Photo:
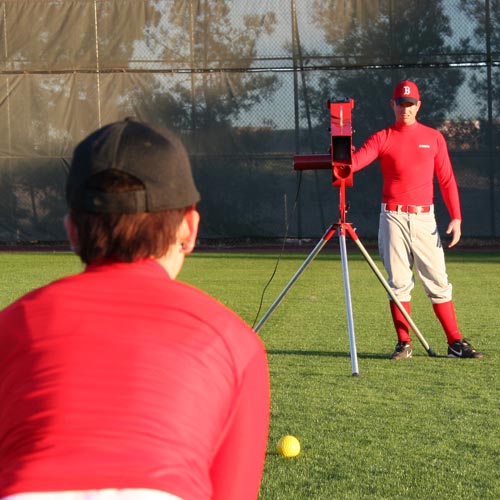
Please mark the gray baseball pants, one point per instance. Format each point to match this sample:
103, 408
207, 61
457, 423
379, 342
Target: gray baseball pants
409, 242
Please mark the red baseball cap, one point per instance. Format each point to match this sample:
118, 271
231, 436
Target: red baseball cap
406, 91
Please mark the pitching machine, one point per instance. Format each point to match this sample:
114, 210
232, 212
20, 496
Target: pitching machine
339, 161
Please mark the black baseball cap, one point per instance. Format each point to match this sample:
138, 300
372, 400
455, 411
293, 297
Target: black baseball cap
152, 154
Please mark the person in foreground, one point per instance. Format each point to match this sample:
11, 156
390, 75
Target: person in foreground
411, 155
121, 382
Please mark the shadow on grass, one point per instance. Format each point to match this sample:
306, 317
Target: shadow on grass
328, 354
338, 354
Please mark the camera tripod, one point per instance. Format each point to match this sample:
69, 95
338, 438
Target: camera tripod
344, 228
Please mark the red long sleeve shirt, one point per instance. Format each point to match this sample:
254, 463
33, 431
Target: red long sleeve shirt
120, 377
410, 156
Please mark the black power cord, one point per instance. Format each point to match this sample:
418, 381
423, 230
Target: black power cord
281, 251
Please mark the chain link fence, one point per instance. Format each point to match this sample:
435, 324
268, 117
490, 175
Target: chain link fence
245, 84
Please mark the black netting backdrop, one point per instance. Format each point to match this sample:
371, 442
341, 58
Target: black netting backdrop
245, 83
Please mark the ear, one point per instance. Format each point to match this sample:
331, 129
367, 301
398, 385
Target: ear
72, 233
188, 230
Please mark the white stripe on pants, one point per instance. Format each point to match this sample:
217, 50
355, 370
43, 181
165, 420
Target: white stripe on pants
107, 494
411, 241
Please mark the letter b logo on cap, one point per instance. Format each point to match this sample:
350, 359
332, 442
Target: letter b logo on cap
406, 91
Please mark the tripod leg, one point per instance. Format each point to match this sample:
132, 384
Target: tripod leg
348, 303
325, 238
384, 283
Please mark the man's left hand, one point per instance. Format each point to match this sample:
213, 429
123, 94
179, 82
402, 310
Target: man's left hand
454, 228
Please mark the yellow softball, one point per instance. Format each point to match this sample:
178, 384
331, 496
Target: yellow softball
288, 446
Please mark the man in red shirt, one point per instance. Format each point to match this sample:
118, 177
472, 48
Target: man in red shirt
411, 155
121, 382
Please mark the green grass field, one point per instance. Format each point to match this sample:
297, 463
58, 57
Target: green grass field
426, 428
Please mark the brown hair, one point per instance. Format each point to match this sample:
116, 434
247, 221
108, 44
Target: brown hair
123, 237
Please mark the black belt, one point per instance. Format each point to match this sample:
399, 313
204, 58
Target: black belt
408, 209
